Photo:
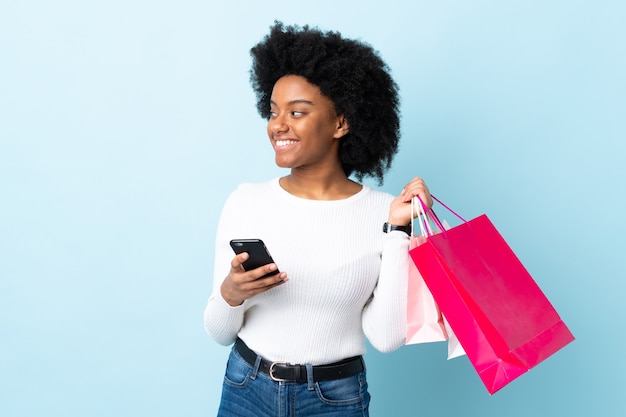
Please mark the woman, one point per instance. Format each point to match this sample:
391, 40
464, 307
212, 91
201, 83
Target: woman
341, 246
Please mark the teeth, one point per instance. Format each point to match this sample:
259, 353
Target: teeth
285, 142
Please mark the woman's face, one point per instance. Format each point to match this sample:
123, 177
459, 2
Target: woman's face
303, 127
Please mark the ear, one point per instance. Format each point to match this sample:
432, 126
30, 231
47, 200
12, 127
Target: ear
342, 128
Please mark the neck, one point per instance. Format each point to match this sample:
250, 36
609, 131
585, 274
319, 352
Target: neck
333, 187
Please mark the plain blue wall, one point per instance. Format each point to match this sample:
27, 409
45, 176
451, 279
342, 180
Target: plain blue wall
125, 124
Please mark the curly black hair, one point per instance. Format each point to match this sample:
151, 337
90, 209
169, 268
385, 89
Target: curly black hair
352, 74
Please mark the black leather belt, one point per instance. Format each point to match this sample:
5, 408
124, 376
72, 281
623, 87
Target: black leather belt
280, 371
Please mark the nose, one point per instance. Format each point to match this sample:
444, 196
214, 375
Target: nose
277, 124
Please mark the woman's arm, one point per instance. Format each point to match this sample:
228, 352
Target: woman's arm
384, 317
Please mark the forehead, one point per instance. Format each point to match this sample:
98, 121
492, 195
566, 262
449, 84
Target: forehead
295, 87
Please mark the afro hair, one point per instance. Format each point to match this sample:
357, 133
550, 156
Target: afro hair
352, 74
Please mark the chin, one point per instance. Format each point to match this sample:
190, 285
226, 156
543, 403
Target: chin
283, 164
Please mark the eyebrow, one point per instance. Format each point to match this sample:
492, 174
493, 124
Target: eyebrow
298, 101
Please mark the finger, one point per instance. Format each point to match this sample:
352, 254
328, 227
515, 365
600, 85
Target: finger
266, 283
262, 271
261, 285
414, 184
424, 195
425, 198
419, 187
236, 263
258, 277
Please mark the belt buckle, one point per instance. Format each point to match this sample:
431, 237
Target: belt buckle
271, 372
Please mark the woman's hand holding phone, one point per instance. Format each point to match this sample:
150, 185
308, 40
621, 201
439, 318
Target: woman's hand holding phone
242, 284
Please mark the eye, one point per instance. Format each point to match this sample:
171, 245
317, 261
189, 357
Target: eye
272, 114
297, 113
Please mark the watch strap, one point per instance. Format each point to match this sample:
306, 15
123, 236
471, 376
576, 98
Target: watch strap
388, 227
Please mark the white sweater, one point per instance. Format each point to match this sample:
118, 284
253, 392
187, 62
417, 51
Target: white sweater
347, 278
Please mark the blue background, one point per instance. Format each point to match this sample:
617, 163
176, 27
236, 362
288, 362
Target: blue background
125, 124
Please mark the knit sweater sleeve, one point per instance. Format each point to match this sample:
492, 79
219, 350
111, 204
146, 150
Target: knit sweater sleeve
384, 316
221, 320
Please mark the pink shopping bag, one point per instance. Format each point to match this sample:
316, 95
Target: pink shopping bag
502, 319
424, 322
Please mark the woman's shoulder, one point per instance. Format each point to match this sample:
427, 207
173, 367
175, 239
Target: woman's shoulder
255, 187
251, 191
378, 195
262, 186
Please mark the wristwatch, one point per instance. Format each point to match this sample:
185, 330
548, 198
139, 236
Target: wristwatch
391, 227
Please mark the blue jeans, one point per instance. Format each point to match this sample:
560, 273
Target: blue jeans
249, 393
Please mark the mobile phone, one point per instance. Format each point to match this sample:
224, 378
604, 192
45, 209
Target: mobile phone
258, 254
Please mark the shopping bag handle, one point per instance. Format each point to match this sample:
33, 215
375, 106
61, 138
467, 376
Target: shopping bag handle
448, 208
424, 215
420, 215
428, 211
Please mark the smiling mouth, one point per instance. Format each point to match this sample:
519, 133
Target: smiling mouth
283, 143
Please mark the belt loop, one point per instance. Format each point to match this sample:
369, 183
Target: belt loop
255, 369
309, 377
